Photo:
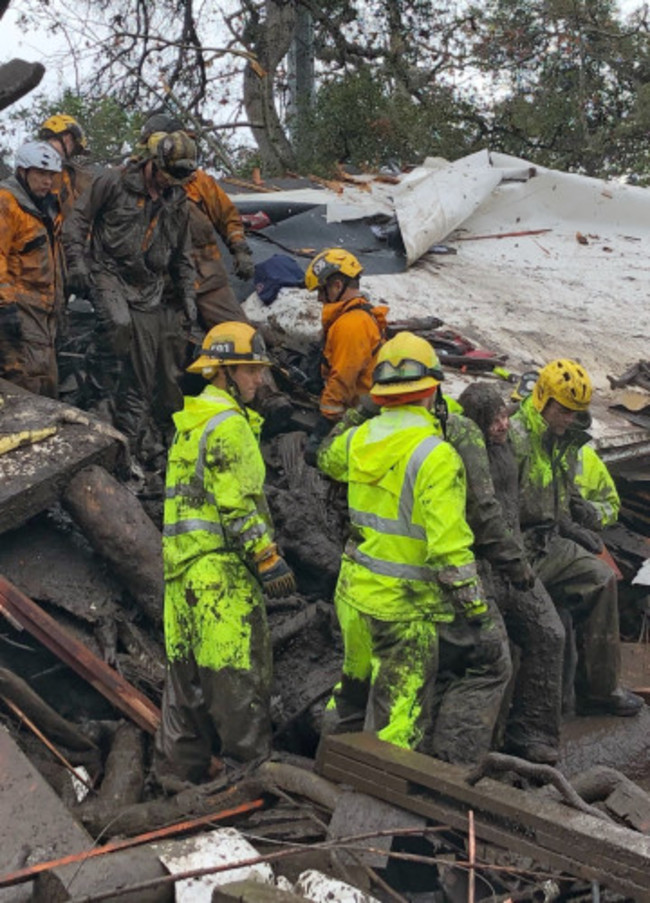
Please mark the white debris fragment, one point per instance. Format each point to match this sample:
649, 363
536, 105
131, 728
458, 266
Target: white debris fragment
321, 889
80, 788
219, 847
642, 576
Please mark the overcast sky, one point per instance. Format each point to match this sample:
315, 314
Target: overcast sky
51, 50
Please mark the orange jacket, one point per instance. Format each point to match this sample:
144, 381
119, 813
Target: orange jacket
29, 271
69, 184
354, 332
212, 213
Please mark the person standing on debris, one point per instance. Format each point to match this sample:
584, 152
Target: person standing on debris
419, 641
563, 552
354, 331
66, 136
219, 558
124, 237
212, 215
532, 622
30, 273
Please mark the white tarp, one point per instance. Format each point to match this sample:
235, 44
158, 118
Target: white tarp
578, 289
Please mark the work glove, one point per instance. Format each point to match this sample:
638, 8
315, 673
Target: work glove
190, 312
362, 412
275, 575
242, 261
586, 538
584, 513
467, 600
322, 428
78, 280
521, 575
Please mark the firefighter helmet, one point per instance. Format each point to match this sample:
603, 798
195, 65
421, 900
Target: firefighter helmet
565, 381
62, 124
331, 262
38, 155
406, 363
229, 344
174, 153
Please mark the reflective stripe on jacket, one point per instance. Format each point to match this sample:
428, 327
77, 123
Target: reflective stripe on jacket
596, 485
406, 495
214, 497
546, 464
29, 270
353, 336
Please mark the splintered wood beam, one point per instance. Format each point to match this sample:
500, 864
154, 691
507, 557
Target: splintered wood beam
554, 835
20, 610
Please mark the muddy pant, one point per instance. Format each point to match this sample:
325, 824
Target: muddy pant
27, 348
216, 301
535, 627
586, 586
217, 692
429, 686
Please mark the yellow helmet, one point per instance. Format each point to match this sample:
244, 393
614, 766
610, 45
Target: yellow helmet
566, 382
61, 124
174, 153
406, 363
330, 262
229, 344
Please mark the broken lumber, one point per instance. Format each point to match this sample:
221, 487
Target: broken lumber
550, 833
116, 525
26, 874
23, 611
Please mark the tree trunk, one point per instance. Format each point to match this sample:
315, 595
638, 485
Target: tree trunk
270, 40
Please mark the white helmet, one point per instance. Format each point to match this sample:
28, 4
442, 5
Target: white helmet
38, 155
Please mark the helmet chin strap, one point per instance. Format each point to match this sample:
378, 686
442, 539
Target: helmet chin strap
234, 390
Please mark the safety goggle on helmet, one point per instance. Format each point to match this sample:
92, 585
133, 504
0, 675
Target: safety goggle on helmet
406, 363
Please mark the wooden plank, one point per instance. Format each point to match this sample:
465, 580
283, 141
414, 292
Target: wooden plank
21, 610
32, 478
607, 850
443, 814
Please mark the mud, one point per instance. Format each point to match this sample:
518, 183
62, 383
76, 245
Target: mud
620, 743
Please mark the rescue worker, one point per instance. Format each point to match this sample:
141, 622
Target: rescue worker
532, 622
67, 137
597, 490
212, 214
219, 558
561, 551
30, 274
124, 237
354, 331
418, 638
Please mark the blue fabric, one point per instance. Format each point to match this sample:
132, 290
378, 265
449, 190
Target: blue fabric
270, 275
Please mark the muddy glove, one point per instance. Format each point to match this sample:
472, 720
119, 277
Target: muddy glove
275, 574
465, 594
242, 261
584, 513
78, 280
190, 313
586, 538
322, 428
521, 575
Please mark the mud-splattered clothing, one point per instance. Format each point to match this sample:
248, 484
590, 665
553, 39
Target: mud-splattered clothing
531, 620
354, 332
212, 213
216, 637
596, 485
409, 549
130, 244
575, 578
70, 184
30, 289
494, 538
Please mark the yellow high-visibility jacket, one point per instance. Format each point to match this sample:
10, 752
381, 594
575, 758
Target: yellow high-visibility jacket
409, 543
